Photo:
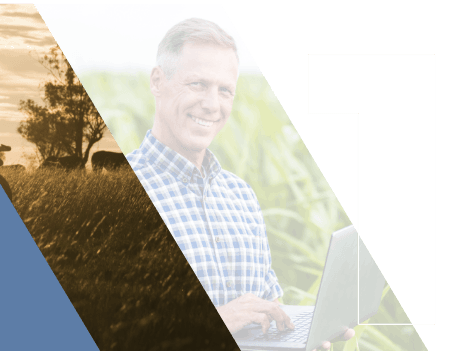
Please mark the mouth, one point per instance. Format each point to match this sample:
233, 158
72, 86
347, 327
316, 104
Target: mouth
201, 121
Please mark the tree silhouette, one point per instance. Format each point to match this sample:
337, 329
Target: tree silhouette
68, 121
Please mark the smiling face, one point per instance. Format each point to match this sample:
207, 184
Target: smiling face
194, 105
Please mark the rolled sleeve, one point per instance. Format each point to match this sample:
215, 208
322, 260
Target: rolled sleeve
272, 289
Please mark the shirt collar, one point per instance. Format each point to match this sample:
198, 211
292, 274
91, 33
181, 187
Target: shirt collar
167, 160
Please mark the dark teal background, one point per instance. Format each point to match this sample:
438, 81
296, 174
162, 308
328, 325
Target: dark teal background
34, 312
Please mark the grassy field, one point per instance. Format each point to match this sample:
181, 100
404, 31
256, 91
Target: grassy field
117, 262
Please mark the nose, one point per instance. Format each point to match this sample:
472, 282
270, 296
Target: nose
210, 101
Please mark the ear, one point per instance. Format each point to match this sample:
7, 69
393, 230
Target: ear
156, 81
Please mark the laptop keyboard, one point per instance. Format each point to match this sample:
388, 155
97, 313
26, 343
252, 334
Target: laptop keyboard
300, 334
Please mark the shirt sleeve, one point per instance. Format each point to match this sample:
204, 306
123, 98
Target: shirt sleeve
272, 289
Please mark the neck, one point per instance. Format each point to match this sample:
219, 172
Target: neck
196, 157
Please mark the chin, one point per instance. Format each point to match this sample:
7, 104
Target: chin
199, 144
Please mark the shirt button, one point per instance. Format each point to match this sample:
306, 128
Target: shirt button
217, 239
184, 180
229, 284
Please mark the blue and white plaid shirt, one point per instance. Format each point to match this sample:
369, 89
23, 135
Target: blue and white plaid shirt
215, 220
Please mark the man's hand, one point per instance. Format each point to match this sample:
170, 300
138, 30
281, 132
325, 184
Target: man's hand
350, 333
249, 309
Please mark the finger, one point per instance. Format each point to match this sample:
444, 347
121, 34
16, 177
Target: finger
272, 310
262, 319
280, 325
350, 333
326, 345
282, 319
289, 324
286, 319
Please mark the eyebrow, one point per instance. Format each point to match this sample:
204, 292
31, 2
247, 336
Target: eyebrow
195, 77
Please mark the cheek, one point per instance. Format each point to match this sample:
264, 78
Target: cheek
226, 107
177, 98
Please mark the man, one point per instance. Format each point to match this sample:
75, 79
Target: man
213, 215
3, 182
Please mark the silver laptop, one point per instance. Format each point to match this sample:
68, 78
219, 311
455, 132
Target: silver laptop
336, 308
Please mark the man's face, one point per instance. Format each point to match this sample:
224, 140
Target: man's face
194, 105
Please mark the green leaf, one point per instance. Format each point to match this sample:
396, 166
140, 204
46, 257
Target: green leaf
350, 345
283, 212
296, 243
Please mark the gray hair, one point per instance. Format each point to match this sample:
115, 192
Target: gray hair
192, 30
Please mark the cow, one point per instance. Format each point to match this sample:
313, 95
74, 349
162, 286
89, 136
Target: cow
70, 162
50, 163
111, 161
4, 148
67, 163
6, 187
3, 182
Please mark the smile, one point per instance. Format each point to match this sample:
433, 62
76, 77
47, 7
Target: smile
202, 122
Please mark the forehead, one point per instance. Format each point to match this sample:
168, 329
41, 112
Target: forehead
208, 61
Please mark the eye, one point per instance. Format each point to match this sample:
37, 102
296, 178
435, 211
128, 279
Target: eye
197, 85
226, 91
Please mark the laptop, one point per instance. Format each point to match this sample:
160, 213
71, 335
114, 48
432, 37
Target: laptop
336, 308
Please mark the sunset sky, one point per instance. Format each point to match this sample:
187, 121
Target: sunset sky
24, 35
